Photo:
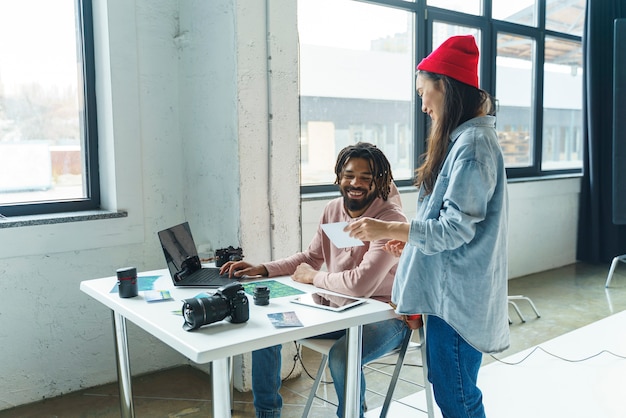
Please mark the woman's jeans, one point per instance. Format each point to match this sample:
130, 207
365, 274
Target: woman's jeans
453, 370
378, 339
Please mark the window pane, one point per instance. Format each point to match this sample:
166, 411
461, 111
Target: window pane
41, 141
566, 16
356, 84
473, 7
562, 105
522, 12
514, 93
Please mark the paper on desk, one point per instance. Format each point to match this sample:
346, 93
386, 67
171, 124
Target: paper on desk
143, 283
339, 237
284, 319
157, 295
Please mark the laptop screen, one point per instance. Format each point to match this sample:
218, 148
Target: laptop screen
178, 245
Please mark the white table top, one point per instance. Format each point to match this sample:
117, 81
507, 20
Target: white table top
223, 339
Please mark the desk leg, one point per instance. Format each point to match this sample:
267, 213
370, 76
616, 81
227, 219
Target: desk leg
123, 366
353, 373
220, 386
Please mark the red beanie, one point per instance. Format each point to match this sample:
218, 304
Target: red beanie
456, 58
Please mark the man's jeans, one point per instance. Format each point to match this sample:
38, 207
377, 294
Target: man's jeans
378, 339
453, 370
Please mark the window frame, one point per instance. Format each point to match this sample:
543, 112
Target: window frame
490, 28
89, 127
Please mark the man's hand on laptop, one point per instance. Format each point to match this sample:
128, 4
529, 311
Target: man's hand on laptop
242, 269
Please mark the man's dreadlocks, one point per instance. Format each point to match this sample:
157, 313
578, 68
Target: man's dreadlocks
379, 165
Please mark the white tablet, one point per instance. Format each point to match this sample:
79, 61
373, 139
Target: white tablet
328, 301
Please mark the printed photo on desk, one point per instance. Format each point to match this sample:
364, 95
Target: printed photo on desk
284, 319
157, 296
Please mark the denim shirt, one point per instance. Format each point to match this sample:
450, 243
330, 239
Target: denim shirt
454, 264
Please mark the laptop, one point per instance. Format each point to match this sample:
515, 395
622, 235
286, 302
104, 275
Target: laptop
183, 262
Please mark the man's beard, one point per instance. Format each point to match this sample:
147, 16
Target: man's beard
355, 205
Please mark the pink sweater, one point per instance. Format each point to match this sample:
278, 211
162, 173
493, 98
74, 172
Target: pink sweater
362, 271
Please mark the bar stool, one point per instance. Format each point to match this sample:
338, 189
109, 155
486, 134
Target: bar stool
323, 346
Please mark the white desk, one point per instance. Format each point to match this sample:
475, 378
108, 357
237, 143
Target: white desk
219, 341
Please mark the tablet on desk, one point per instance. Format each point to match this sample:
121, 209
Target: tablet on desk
328, 301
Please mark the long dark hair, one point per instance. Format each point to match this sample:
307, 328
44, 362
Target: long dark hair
379, 165
461, 102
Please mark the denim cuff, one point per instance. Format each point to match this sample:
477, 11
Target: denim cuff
268, 414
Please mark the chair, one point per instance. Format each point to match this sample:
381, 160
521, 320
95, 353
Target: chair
512, 300
621, 258
323, 346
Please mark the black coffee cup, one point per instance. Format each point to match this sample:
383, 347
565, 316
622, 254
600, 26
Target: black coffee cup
127, 282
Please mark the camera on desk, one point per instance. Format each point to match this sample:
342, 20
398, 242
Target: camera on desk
228, 301
189, 265
224, 255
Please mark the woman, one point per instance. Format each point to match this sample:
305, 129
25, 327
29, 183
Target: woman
453, 265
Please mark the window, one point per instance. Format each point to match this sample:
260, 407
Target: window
464, 6
522, 12
356, 84
514, 90
566, 17
357, 63
562, 105
48, 143
538, 81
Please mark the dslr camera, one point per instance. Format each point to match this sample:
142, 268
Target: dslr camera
224, 255
229, 301
189, 265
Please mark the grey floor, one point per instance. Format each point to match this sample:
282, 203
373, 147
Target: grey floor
567, 298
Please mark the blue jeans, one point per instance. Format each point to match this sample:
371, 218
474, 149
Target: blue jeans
453, 371
378, 339
266, 364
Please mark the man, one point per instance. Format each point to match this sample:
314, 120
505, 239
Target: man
365, 181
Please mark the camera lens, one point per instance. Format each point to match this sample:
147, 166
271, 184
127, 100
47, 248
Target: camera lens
261, 295
190, 318
202, 311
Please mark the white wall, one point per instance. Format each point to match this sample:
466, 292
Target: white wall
184, 134
543, 225
543, 218
184, 92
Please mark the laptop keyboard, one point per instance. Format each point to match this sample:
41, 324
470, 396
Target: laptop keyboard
205, 275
